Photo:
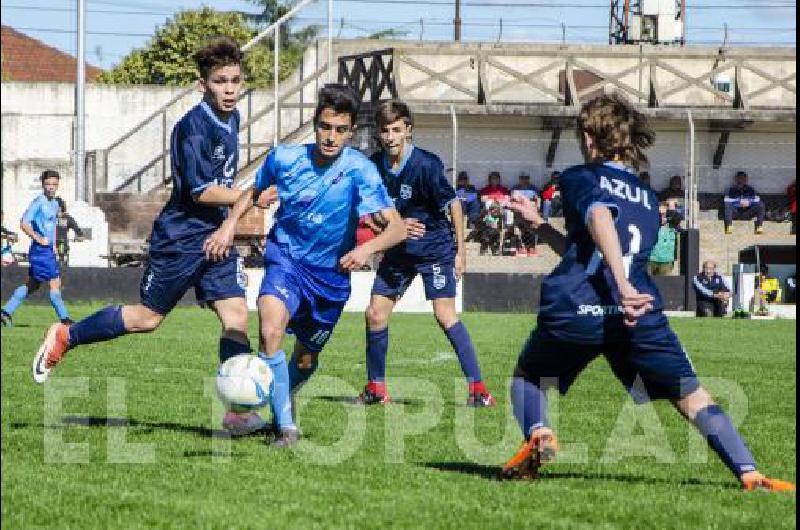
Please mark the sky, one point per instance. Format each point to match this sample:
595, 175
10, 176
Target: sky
116, 27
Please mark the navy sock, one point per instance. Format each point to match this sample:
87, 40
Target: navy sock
530, 405
106, 324
16, 299
462, 344
298, 376
377, 346
724, 439
58, 304
281, 396
231, 348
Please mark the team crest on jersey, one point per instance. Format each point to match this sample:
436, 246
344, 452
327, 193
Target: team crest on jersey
337, 178
219, 152
405, 191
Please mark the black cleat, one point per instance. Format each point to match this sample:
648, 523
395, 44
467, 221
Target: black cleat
67, 321
286, 438
6, 319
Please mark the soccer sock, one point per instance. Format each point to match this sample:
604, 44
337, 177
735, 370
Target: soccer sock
298, 376
530, 405
377, 346
724, 439
58, 305
106, 324
16, 299
462, 344
231, 348
281, 397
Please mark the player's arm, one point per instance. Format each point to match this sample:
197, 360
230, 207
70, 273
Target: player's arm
27, 218
393, 234
215, 195
457, 218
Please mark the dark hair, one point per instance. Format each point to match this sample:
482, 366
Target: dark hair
218, 52
391, 111
341, 98
617, 129
49, 174
741, 173
61, 204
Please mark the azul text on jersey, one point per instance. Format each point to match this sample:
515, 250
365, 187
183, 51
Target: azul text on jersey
622, 190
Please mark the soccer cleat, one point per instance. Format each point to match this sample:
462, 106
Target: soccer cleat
287, 437
728, 230
51, 352
479, 396
67, 321
374, 394
756, 481
540, 449
242, 424
6, 319
759, 230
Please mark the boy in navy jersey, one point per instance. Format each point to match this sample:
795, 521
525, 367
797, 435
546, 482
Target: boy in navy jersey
204, 154
324, 189
423, 196
600, 300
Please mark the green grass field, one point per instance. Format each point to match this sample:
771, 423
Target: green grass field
177, 471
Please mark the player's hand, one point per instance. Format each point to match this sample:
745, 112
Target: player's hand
634, 304
218, 245
414, 228
354, 260
43, 241
461, 265
744, 204
526, 208
267, 197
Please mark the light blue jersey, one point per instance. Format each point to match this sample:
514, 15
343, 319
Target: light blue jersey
41, 215
320, 206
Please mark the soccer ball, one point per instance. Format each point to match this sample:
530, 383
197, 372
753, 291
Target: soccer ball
244, 383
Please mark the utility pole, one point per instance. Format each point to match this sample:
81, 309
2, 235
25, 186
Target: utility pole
457, 22
80, 110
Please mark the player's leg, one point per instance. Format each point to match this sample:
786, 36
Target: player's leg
19, 295
57, 302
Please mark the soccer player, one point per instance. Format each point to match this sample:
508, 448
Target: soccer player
204, 155
39, 223
324, 188
423, 196
600, 300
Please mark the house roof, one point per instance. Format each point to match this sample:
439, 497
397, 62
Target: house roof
29, 59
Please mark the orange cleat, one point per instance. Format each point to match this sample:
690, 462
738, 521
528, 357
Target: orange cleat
51, 352
756, 481
540, 449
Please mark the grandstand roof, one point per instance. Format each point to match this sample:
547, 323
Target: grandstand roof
27, 59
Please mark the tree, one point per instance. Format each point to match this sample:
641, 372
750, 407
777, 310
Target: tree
167, 57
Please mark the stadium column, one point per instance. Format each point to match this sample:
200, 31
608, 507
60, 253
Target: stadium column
690, 265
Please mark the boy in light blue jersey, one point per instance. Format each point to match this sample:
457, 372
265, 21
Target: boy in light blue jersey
323, 188
39, 223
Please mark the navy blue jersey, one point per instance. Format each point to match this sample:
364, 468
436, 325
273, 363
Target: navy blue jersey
580, 302
204, 152
421, 190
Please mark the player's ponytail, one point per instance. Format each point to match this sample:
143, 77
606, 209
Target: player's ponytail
618, 131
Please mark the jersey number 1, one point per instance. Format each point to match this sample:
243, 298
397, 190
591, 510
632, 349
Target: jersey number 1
634, 248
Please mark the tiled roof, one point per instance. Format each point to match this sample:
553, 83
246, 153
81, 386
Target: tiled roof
28, 59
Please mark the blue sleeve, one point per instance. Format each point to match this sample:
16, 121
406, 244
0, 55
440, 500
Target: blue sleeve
33, 210
439, 189
194, 160
372, 194
581, 192
700, 289
268, 172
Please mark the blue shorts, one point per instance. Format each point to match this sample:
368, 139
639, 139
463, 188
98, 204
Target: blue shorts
43, 263
395, 275
315, 298
653, 368
169, 275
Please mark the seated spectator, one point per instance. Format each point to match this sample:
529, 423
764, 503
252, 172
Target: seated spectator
790, 193
791, 289
494, 191
742, 202
551, 197
487, 232
7, 238
468, 195
662, 257
644, 176
768, 290
674, 197
527, 240
713, 292
64, 223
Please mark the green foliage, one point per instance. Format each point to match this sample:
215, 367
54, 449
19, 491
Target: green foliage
167, 57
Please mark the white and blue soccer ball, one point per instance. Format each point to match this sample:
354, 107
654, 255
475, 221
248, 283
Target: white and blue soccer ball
244, 383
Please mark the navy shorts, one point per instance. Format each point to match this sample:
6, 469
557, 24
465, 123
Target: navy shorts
43, 264
655, 368
168, 276
315, 298
395, 275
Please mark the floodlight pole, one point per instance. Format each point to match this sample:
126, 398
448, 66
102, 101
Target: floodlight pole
80, 109
457, 22
330, 40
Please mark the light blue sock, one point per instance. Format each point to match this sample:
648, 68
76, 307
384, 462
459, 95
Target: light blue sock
16, 299
281, 400
58, 305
